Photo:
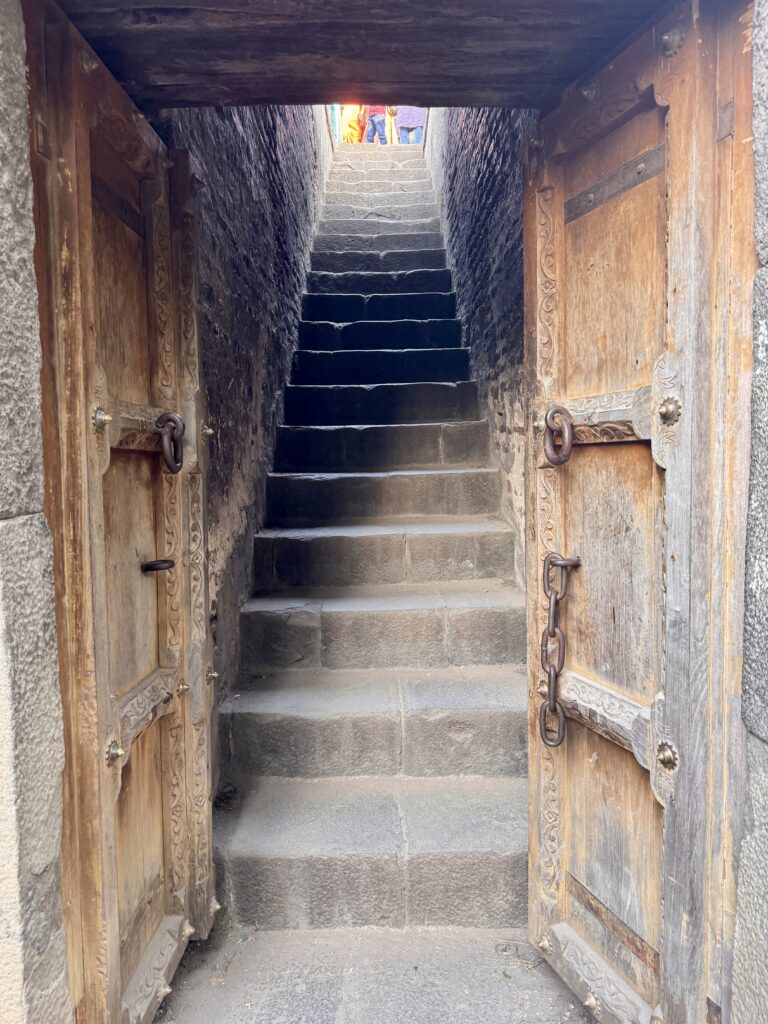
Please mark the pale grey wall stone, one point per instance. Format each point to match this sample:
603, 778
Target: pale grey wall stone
33, 981
750, 982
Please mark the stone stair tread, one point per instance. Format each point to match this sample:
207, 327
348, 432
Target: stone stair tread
486, 593
352, 816
401, 525
331, 693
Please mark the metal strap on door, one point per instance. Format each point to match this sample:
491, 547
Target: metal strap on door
558, 445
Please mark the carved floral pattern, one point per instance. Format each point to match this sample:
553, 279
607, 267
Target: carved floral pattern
178, 823
546, 288
147, 989
149, 703
173, 595
188, 304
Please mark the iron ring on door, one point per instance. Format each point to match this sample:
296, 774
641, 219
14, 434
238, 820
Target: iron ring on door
171, 428
558, 423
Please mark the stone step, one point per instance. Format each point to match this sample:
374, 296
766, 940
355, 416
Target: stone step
378, 262
296, 499
389, 334
310, 723
346, 404
366, 209
379, 198
343, 309
378, 178
380, 366
435, 624
421, 550
382, 283
328, 853
391, 446
354, 226
385, 241
338, 190
372, 153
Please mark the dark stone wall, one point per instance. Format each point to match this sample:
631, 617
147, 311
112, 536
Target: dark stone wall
474, 157
262, 171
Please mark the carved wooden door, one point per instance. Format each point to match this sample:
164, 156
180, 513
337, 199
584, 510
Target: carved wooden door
116, 253
639, 260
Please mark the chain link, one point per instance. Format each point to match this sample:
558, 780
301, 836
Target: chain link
553, 644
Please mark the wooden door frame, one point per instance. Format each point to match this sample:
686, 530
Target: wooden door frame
705, 607
69, 396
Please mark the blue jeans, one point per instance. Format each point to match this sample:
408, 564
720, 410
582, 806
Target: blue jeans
376, 126
411, 135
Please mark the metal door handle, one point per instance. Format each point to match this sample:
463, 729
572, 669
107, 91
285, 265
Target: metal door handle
558, 423
158, 565
170, 427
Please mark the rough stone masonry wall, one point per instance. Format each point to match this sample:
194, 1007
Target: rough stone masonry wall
33, 980
474, 157
263, 170
750, 983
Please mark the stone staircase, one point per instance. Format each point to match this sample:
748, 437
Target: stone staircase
377, 738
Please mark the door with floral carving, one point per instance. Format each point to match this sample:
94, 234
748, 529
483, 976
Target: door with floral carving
639, 263
125, 463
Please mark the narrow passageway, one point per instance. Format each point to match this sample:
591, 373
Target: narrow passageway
372, 846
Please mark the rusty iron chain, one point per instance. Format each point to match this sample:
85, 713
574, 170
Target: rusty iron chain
553, 644
558, 424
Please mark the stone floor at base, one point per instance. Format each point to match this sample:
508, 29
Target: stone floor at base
368, 976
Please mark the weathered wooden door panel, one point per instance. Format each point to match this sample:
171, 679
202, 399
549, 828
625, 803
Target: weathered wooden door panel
116, 241
629, 217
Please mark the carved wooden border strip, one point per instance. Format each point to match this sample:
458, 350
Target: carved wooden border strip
589, 974
150, 983
617, 717
146, 702
644, 167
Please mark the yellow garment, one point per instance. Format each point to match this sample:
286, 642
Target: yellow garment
351, 129
393, 136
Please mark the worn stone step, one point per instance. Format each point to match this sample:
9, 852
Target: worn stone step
320, 722
385, 241
378, 178
390, 334
378, 262
457, 623
338, 190
343, 309
366, 209
299, 499
420, 550
380, 366
372, 153
390, 446
326, 853
354, 226
427, 402
381, 283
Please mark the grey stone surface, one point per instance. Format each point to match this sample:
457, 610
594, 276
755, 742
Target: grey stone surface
360, 554
346, 308
342, 404
475, 622
430, 722
324, 853
418, 210
263, 171
353, 226
384, 241
33, 970
21, 467
480, 192
381, 334
336, 188
750, 979
368, 976
378, 262
381, 282
329, 497
378, 366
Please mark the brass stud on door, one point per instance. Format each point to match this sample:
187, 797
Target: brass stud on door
590, 1003
667, 756
670, 410
544, 944
100, 418
114, 752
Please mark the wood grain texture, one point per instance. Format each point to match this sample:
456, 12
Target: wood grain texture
644, 297
437, 54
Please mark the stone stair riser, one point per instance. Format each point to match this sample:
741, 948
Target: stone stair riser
386, 241
325, 405
378, 213
344, 309
381, 283
329, 337
296, 500
381, 366
354, 559
392, 226
396, 446
378, 262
